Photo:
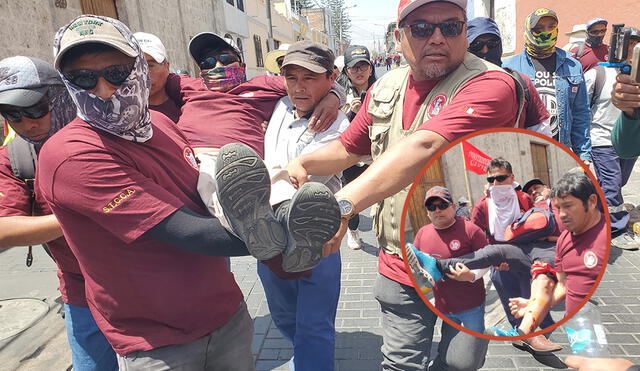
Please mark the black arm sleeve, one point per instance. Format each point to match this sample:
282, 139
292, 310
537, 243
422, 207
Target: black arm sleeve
198, 234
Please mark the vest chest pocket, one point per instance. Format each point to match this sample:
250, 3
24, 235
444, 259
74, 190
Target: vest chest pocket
378, 135
383, 100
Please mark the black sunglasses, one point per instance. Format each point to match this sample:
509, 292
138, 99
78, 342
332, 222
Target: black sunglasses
423, 30
499, 178
280, 61
88, 79
477, 45
210, 62
15, 114
441, 206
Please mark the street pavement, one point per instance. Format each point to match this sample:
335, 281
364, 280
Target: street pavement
41, 345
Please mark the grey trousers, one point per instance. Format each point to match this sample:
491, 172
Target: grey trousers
408, 324
227, 348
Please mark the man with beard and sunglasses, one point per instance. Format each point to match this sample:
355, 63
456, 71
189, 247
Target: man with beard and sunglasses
407, 116
559, 80
122, 180
35, 102
485, 42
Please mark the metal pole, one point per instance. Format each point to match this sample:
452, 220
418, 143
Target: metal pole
270, 43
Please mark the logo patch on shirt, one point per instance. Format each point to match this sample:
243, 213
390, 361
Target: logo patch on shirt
574, 89
190, 157
119, 199
454, 245
590, 259
436, 104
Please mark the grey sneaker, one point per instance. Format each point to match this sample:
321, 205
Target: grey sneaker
244, 188
625, 241
311, 218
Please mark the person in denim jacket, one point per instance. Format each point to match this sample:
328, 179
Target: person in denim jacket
559, 80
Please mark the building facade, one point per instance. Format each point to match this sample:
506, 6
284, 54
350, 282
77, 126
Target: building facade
530, 157
510, 16
27, 27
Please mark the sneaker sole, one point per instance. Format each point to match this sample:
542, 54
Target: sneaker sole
244, 188
313, 219
417, 269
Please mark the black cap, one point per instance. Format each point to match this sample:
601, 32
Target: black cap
355, 54
313, 56
209, 41
531, 183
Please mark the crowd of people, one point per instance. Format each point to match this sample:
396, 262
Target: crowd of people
142, 183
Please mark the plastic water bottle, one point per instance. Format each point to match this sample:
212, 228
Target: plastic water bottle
586, 333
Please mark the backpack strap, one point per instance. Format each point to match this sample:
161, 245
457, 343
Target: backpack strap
522, 92
598, 84
23, 158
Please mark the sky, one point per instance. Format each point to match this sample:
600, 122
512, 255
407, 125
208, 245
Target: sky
369, 19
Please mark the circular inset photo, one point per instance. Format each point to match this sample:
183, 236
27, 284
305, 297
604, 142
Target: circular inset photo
506, 238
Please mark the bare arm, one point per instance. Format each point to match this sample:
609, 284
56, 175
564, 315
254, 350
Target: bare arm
394, 170
560, 291
28, 230
388, 175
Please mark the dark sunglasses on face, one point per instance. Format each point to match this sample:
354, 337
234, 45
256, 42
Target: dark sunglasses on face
597, 32
225, 59
441, 206
88, 79
477, 45
280, 61
15, 114
360, 67
423, 30
499, 178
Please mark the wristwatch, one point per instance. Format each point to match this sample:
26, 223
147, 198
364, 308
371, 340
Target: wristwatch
347, 209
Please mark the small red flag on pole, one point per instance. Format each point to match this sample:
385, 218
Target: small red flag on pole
474, 159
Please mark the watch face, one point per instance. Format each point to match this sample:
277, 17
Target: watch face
345, 207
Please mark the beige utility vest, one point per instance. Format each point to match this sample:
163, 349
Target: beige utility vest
385, 107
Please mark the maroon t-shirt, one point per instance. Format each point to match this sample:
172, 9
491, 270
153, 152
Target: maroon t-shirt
169, 108
581, 257
486, 101
15, 200
107, 192
462, 238
212, 119
492, 98
591, 56
480, 212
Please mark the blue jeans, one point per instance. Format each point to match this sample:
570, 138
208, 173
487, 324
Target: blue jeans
473, 318
613, 173
89, 348
304, 310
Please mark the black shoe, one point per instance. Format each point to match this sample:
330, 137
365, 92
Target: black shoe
311, 218
244, 188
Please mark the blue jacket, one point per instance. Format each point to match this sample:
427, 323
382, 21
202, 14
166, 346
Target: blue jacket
574, 117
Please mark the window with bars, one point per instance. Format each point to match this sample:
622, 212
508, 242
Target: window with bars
257, 42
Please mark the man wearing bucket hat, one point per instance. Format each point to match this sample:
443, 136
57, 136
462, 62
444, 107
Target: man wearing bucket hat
36, 104
273, 60
121, 180
577, 36
412, 112
559, 81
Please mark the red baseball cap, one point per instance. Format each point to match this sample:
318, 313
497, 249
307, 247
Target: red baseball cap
407, 6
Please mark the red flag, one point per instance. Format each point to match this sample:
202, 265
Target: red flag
474, 159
